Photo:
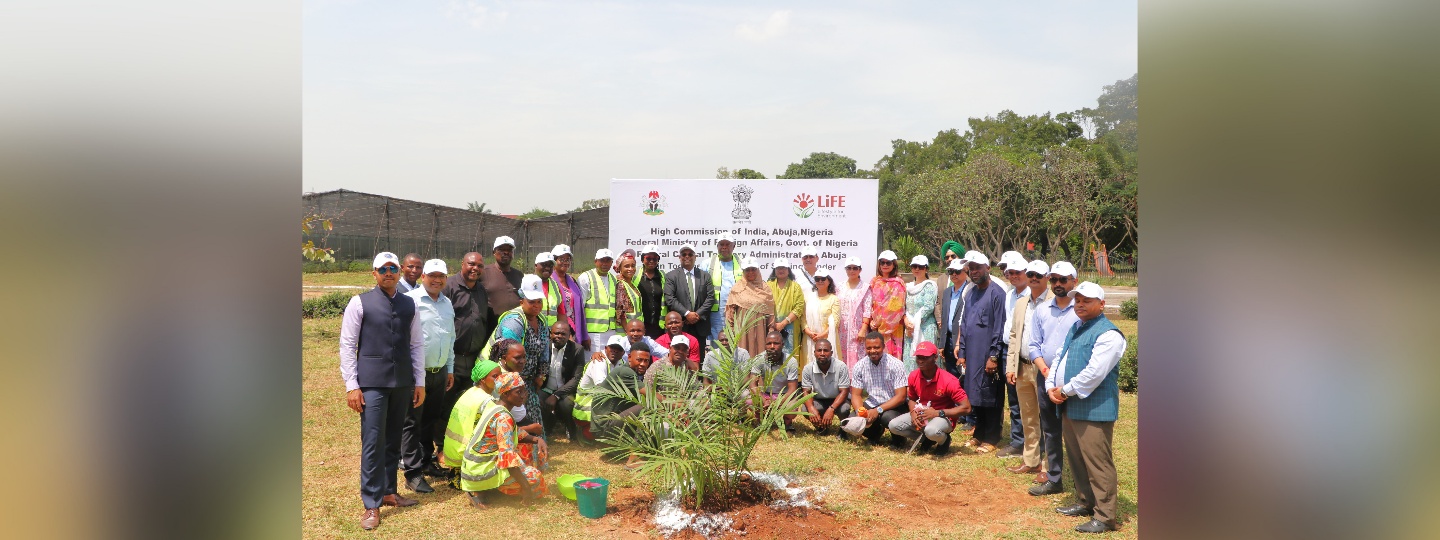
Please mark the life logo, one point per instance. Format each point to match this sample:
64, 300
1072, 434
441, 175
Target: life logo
806, 205
652, 204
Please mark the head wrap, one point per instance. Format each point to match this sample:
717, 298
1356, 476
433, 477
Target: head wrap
508, 381
952, 247
482, 368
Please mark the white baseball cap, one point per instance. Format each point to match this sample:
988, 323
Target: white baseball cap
1038, 266
782, 262
887, 255
435, 265
544, 257
603, 253
853, 261
1012, 260
503, 241
686, 246
384, 258
957, 264
617, 340
920, 260
649, 248
809, 251
750, 263
560, 249
530, 288
724, 237
679, 340
821, 272
1088, 290
976, 257
1063, 268
854, 425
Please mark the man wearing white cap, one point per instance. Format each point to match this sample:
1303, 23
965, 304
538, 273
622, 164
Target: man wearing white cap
1020, 370
424, 429
724, 268
1085, 384
598, 286
501, 281
689, 292
382, 360
552, 308
677, 356
1053, 318
571, 295
952, 304
651, 284
1013, 270
981, 349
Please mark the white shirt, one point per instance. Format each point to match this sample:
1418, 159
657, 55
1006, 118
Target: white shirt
1011, 297
553, 382
1109, 347
350, 345
657, 353
595, 373
404, 287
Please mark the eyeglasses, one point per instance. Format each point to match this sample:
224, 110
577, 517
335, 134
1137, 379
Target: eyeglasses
387, 269
1059, 279
852, 267
1033, 275
955, 272
683, 254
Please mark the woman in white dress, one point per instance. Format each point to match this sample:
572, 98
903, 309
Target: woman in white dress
821, 313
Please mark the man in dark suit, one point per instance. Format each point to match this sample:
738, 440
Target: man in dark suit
567, 364
952, 302
688, 291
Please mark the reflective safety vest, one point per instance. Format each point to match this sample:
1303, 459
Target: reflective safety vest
495, 334
548, 305
635, 282
462, 423
716, 278
479, 472
633, 293
600, 305
585, 397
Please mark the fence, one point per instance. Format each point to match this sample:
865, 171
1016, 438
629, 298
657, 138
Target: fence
365, 224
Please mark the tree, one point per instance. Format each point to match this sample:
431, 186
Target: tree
536, 212
591, 204
724, 173
821, 165
476, 206
308, 224
1020, 138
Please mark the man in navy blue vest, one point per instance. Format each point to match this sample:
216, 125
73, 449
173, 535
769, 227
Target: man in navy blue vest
382, 359
1084, 383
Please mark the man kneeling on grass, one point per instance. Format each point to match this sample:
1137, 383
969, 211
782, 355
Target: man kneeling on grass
772, 376
877, 389
936, 400
609, 411
827, 384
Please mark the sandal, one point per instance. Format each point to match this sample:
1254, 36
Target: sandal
477, 499
985, 448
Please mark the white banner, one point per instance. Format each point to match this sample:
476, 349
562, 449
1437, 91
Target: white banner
769, 219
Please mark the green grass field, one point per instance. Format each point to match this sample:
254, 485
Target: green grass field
331, 504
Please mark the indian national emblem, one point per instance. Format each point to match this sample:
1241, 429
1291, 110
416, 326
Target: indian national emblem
741, 193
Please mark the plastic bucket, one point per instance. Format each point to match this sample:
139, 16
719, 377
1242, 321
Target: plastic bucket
567, 484
592, 499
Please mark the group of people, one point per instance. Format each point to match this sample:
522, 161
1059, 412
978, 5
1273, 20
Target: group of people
465, 377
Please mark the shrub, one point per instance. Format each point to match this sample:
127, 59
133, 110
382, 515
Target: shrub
1130, 366
905, 248
320, 307
1131, 309
319, 267
695, 439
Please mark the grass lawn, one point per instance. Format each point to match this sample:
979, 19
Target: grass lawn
361, 279
857, 479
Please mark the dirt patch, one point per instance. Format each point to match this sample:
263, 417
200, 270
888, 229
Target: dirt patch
918, 499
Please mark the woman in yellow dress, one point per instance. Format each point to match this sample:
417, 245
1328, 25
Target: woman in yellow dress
821, 313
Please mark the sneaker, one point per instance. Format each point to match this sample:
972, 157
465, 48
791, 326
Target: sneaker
942, 448
1009, 451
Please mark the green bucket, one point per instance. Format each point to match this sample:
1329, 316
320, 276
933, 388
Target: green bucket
567, 484
592, 499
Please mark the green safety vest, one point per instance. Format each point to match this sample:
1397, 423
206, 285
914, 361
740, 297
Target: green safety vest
479, 472
495, 334
635, 282
548, 305
600, 305
585, 400
462, 422
716, 278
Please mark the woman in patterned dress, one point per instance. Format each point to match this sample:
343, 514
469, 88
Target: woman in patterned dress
920, 298
502, 436
851, 342
885, 304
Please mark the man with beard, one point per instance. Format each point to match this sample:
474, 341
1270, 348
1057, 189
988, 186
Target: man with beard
981, 348
1053, 319
1084, 382
467, 298
567, 364
827, 384
674, 328
651, 284
771, 377
502, 283
878, 389
1020, 365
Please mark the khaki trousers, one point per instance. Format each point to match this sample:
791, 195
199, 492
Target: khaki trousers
1029, 396
1091, 464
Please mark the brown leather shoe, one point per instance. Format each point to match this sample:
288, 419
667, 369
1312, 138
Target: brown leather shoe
395, 499
1042, 477
370, 519
1022, 469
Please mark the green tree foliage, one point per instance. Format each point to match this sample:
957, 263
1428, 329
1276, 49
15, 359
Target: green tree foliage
536, 212
591, 204
1129, 376
724, 173
1131, 309
309, 225
821, 165
1020, 138
477, 206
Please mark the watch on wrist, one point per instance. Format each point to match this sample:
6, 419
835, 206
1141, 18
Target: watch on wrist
942, 412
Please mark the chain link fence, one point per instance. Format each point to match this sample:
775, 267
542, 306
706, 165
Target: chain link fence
365, 224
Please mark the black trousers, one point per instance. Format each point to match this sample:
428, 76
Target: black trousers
380, 422
882, 425
424, 425
560, 414
1051, 440
463, 367
701, 330
842, 412
987, 424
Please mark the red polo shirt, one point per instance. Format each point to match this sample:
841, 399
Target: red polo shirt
941, 392
694, 354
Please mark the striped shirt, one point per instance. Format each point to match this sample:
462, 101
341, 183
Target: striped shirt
879, 381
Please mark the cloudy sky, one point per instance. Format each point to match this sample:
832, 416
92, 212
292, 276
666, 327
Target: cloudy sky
522, 104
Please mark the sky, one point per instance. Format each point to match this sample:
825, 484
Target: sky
539, 104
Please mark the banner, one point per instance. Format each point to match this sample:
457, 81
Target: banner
769, 219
